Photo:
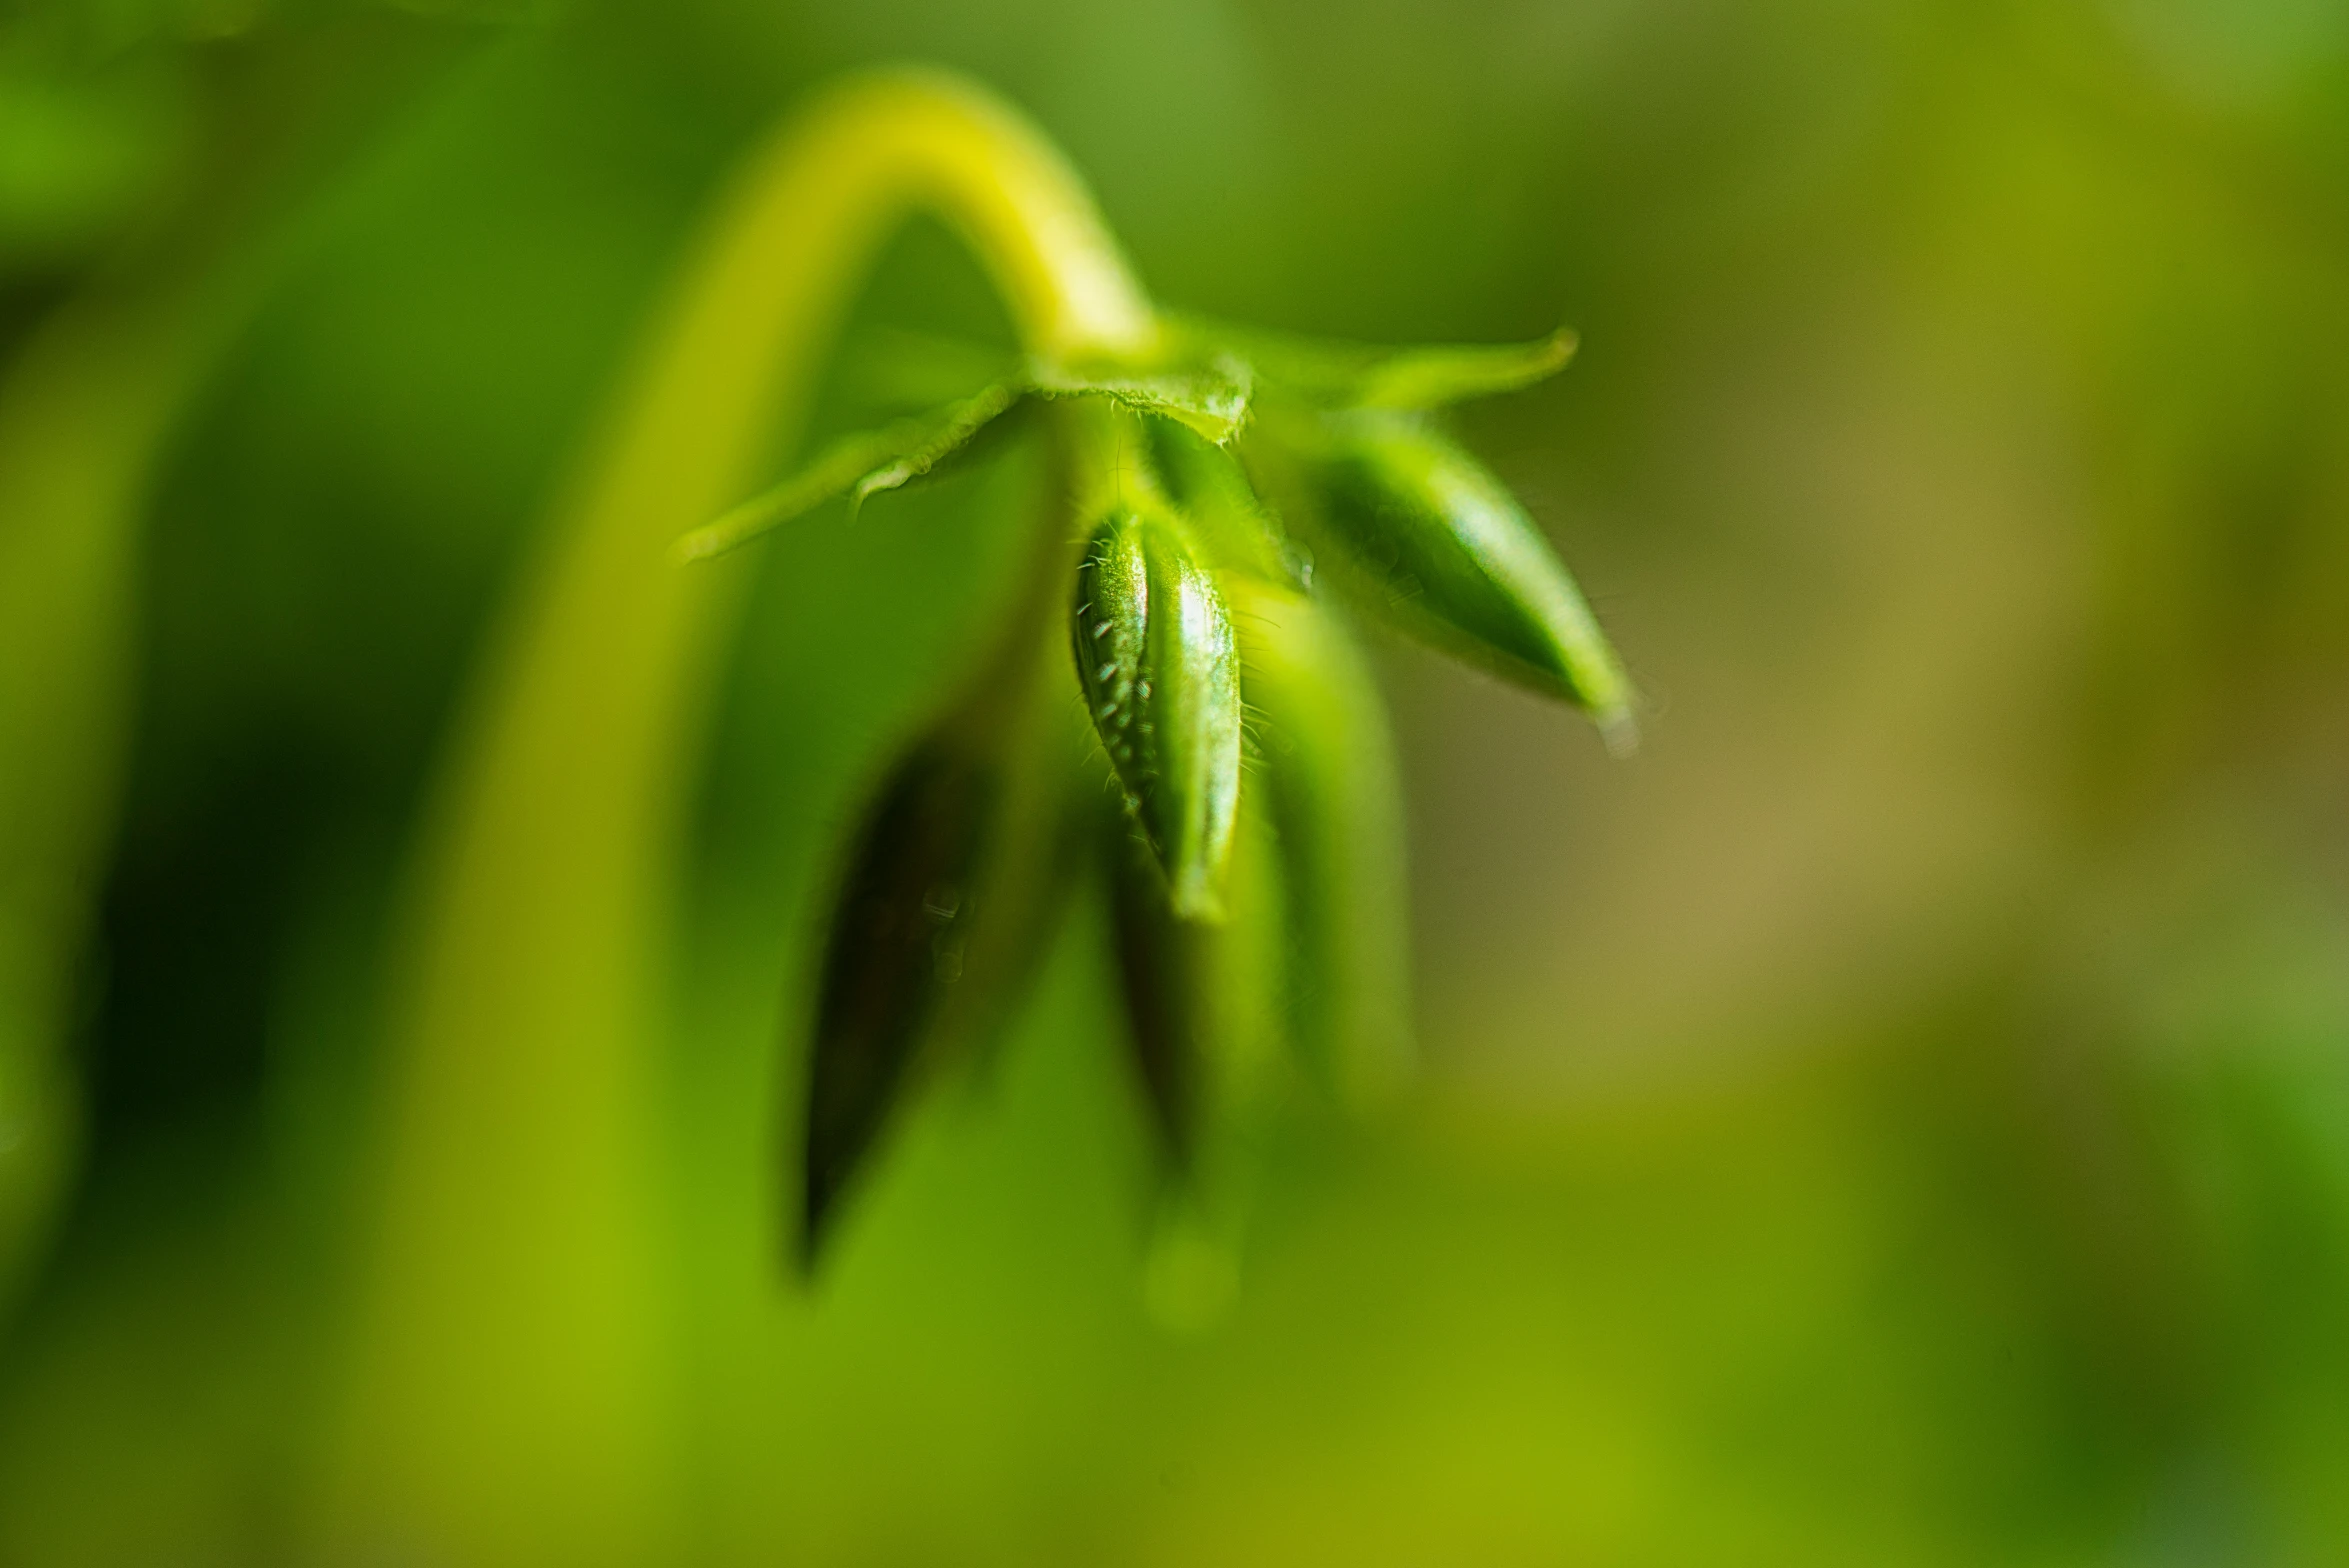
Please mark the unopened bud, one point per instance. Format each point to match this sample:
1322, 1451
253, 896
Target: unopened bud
1433, 541
1204, 1007
942, 915
1156, 660
1329, 788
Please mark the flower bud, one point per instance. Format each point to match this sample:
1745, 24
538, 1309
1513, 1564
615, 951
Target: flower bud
942, 917
1236, 528
1204, 1009
1328, 783
895, 946
1155, 658
1431, 540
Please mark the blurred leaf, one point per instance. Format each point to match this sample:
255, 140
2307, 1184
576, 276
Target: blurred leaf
1230, 521
1204, 1020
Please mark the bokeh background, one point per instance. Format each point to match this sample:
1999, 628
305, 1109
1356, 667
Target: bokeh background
1901, 1115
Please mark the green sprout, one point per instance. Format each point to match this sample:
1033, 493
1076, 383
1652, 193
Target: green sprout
1214, 476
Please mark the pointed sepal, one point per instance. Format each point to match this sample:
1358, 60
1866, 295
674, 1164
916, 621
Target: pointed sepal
859, 467
1212, 397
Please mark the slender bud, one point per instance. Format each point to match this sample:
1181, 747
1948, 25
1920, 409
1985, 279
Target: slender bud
1236, 529
950, 892
895, 947
1330, 791
1205, 1014
1431, 540
1156, 659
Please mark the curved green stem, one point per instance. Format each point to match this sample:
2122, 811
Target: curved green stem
507, 1396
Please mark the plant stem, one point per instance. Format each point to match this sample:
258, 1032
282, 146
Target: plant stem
507, 1399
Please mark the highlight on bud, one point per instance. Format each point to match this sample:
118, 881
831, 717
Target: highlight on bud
1156, 660
1431, 540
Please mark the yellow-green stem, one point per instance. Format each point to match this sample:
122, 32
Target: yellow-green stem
507, 1394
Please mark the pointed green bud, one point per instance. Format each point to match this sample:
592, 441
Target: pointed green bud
1232, 523
895, 947
1430, 539
1328, 780
1204, 1010
946, 904
1155, 658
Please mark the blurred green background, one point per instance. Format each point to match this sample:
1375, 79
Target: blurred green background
1899, 1116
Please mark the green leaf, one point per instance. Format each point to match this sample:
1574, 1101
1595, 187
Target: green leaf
1205, 1028
858, 466
1156, 659
1428, 538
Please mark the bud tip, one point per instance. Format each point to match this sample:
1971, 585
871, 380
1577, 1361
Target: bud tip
1619, 730
1195, 898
